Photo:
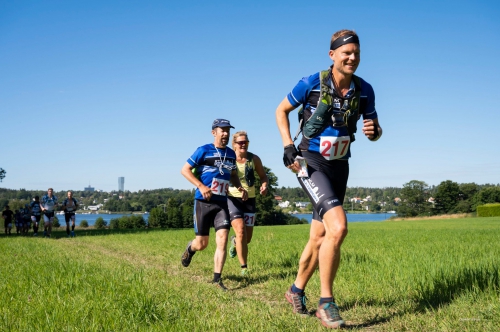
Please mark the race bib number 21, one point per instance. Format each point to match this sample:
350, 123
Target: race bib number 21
332, 147
220, 186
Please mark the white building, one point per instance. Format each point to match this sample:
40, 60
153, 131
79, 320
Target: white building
284, 204
95, 207
301, 204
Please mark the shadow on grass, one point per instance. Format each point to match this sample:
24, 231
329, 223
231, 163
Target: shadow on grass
249, 280
440, 291
448, 286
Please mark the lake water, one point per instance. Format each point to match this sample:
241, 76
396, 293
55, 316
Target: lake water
354, 217
91, 218
351, 217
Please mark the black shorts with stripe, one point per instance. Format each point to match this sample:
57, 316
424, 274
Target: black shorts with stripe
326, 184
210, 213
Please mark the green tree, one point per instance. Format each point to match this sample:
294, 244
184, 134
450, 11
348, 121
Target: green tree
174, 213
468, 190
157, 217
2, 174
487, 195
447, 196
84, 223
414, 196
187, 211
266, 214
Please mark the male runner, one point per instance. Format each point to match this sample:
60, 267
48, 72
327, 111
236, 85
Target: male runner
48, 204
26, 219
215, 166
332, 102
36, 214
70, 206
18, 217
7, 215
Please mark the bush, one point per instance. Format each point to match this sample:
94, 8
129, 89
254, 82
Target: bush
128, 222
114, 223
100, 223
488, 210
84, 223
56, 222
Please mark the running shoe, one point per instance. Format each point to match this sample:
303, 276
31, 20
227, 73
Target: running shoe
220, 285
44, 233
298, 301
67, 236
35, 234
186, 257
232, 249
244, 272
73, 233
329, 315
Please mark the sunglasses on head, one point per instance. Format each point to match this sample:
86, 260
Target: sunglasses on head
240, 143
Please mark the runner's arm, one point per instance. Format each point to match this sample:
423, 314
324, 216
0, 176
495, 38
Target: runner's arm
235, 181
186, 171
262, 174
284, 108
369, 129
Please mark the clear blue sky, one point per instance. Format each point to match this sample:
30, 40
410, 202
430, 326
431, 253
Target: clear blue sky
94, 90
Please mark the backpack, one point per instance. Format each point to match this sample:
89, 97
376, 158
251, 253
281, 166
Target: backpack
318, 120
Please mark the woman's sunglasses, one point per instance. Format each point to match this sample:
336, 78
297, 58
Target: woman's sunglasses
241, 143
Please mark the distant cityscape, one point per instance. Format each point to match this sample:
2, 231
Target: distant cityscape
121, 185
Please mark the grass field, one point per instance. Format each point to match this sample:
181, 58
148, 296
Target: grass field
428, 275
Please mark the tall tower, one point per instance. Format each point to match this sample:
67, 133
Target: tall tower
121, 183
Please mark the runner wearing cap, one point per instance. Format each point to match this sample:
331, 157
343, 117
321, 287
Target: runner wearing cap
332, 100
215, 168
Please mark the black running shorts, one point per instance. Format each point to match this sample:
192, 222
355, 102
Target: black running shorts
239, 209
69, 216
208, 213
326, 184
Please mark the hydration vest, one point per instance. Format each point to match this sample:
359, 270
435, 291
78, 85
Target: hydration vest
249, 170
347, 110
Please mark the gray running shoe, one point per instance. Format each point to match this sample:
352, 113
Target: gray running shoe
220, 285
232, 249
329, 315
186, 257
298, 301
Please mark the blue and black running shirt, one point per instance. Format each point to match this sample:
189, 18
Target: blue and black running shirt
213, 166
307, 93
35, 208
49, 202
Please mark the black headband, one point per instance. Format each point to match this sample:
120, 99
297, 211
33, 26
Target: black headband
347, 39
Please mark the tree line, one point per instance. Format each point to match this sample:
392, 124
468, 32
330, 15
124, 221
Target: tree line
173, 208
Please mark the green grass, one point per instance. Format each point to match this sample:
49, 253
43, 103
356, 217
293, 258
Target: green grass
432, 275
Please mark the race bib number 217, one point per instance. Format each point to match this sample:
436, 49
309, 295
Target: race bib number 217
332, 147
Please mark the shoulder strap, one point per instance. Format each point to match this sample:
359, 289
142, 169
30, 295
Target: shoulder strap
249, 157
325, 97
